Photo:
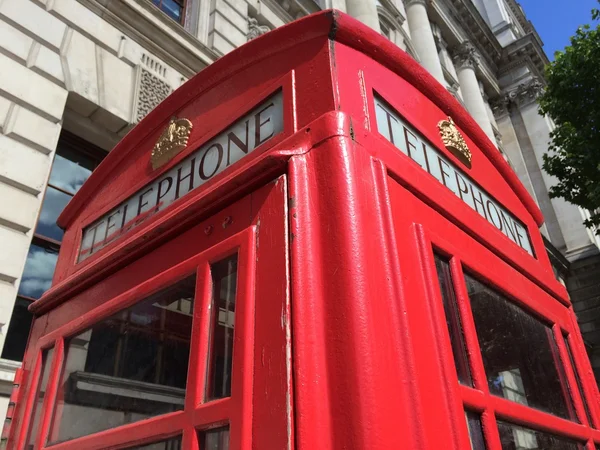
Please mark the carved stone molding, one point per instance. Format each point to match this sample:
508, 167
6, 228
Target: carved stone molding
499, 106
465, 55
526, 92
409, 3
522, 95
151, 91
255, 30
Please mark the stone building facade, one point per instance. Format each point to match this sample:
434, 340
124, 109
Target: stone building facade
76, 75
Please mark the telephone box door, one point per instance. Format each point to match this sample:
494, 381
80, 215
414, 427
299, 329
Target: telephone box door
162, 354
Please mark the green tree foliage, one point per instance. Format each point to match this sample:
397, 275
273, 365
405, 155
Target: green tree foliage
572, 100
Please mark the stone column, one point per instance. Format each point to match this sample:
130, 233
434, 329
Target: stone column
465, 60
365, 11
422, 38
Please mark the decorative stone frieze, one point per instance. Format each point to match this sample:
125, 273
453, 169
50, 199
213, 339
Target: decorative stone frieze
522, 95
526, 92
465, 55
255, 30
152, 90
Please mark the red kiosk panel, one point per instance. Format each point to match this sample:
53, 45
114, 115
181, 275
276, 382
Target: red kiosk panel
328, 254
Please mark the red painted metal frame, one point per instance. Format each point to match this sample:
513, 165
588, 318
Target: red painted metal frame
265, 210
465, 253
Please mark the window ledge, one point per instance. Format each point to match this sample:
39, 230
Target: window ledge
156, 32
8, 368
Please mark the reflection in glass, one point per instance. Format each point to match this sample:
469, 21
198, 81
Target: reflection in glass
70, 170
577, 380
514, 437
54, 202
36, 414
173, 8
224, 278
18, 331
216, 439
171, 444
39, 270
475, 430
128, 367
519, 353
453, 321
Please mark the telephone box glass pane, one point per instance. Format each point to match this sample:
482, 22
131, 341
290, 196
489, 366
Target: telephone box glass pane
39, 398
577, 380
224, 278
475, 430
128, 367
171, 444
217, 439
453, 322
519, 353
514, 437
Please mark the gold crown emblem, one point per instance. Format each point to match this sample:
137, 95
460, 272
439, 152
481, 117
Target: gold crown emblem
454, 141
171, 142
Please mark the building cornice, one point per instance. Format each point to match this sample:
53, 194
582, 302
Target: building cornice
291, 10
528, 46
466, 13
155, 31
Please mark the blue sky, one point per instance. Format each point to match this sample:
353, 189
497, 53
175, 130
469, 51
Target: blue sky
557, 20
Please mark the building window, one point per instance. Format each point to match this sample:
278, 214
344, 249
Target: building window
175, 9
73, 163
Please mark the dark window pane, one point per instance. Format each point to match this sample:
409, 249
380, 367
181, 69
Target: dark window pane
475, 430
453, 321
18, 331
129, 367
70, 169
578, 380
519, 353
217, 439
171, 444
224, 278
39, 270
36, 414
514, 437
54, 202
173, 9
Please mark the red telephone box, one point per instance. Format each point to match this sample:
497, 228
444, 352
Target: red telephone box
310, 245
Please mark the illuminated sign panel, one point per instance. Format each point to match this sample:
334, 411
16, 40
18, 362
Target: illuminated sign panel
404, 137
245, 135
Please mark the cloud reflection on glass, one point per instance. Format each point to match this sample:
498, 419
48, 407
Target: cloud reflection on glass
39, 269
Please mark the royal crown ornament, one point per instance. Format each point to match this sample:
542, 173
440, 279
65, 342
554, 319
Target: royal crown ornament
171, 142
454, 141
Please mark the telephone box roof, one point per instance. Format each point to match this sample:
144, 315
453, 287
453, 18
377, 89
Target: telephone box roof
331, 25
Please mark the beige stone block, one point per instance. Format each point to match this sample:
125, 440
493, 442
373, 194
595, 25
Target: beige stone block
4, 109
47, 63
29, 88
118, 79
18, 207
14, 41
14, 251
218, 43
81, 68
269, 16
235, 16
227, 30
37, 22
23, 165
87, 22
34, 129
239, 5
8, 292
